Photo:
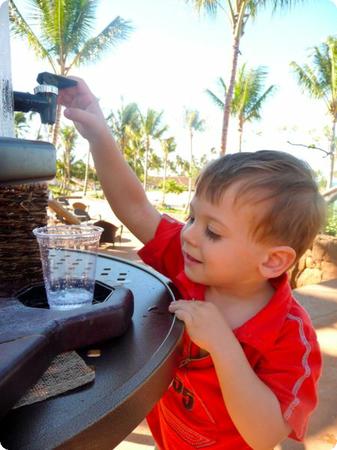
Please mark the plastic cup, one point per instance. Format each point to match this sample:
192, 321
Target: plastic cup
68, 254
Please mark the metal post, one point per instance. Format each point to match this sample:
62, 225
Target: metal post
6, 91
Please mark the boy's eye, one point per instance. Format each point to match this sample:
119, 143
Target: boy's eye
211, 235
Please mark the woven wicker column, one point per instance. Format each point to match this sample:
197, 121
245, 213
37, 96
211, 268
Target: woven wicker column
22, 208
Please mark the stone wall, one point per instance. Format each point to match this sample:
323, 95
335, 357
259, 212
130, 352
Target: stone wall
319, 263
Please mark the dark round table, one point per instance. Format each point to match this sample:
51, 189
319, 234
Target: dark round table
131, 374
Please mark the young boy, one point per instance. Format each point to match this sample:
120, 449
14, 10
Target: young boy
250, 360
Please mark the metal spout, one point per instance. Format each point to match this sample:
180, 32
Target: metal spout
44, 101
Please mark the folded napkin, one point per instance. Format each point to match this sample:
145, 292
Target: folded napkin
66, 372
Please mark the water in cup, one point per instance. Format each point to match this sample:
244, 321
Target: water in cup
69, 298
68, 255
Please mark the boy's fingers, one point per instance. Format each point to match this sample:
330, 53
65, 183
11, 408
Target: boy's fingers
188, 304
77, 115
80, 83
183, 315
183, 310
64, 98
177, 304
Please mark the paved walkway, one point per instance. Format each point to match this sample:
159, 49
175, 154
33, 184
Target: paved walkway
321, 303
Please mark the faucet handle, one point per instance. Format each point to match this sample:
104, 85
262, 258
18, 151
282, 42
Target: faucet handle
58, 81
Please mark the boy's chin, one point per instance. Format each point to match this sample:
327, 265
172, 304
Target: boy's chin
193, 277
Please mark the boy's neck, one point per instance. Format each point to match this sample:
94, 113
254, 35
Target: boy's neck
238, 306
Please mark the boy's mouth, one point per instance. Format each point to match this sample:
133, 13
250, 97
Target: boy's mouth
188, 259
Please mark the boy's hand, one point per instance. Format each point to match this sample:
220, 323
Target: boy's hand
203, 322
82, 107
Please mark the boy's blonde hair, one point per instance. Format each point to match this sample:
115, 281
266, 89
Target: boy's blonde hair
293, 209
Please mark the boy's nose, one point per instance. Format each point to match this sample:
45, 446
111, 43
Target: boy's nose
189, 233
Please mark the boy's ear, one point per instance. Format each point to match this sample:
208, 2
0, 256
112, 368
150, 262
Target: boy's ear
277, 261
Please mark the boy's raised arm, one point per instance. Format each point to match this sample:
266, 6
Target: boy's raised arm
121, 187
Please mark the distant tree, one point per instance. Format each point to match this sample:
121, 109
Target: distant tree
181, 166
239, 12
168, 146
20, 124
155, 162
124, 124
61, 32
68, 140
78, 169
321, 180
248, 97
151, 129
193, 123
319, 80
135, 152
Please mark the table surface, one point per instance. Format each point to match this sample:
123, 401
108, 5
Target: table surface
131, 374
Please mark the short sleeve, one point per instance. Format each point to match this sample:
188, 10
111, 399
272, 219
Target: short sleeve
291, 369
163, 252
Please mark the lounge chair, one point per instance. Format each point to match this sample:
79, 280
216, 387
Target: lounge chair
111, 232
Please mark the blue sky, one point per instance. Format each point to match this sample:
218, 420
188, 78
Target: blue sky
174, 54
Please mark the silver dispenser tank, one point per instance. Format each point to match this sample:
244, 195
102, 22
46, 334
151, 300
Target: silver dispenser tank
24, 161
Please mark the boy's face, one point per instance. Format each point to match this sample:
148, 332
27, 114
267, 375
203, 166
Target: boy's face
217, 246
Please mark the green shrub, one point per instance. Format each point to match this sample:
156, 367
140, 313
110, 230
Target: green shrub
171, 186
331, 225
177, 213
57, 190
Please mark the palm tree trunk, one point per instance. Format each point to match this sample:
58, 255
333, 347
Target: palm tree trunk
332, 151
67, 168
240, 129
64, 177
164, 180
135, 159
190, 173
56, 127
229, 96
237, 33
86, 178
146, 162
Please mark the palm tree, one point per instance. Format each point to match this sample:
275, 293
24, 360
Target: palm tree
86, 174
135, 151
151, 129
168, 146
20, 124
239, 12
123, 123
61, 32
193, 123
68, 137
248, 97
319, 80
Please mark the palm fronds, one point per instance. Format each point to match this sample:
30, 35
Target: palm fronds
21, 28
216, 98
210, 6
319, 79
93, 49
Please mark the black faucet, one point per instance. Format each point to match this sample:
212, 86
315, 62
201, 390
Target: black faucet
44, 99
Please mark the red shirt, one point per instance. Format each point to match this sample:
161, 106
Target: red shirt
279, 342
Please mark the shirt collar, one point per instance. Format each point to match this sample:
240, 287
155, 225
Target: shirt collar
188, 288
261, 330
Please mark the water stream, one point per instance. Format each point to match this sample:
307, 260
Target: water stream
6, 91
